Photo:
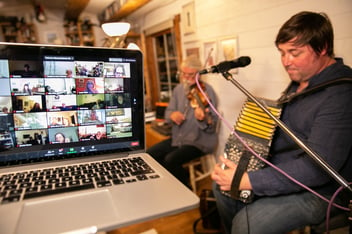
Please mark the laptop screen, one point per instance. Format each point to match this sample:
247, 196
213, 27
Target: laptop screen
63, 102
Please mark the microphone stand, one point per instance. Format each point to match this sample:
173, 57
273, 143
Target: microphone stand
331, 171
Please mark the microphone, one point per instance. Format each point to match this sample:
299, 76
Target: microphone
227, 65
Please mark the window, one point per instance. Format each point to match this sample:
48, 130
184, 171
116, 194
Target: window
167, 66
163, 56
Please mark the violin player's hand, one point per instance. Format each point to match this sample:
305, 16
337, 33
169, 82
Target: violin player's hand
199, 113
177, 117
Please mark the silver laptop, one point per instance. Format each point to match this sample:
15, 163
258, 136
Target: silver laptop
72, 142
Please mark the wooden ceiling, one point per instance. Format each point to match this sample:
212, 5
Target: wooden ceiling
129, 7
75, 7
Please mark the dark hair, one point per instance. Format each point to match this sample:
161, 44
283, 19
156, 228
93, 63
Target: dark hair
308, 28
60, 133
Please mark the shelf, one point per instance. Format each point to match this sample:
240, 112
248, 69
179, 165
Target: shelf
18, 32
79, 34
27, 33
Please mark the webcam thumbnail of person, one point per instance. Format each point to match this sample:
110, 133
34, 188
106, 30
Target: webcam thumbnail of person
118, 70
120, 115
60, 86
24, 69
90, 101
119, 130
91, 117
28, 103
114, 85
54, 68
27, 121
31, 137
32, 86
5, 105
92, 132
62, 119
117, 100
63, 135
89, 69
61, 102
89, 85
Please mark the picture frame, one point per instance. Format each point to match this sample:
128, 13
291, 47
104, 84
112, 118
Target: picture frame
188, 18
228, 50
193, 51
210, 53
52, 37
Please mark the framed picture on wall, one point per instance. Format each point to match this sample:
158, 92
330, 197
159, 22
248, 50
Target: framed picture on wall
52, 38
188, 18
191, 51
210, 53
228, 50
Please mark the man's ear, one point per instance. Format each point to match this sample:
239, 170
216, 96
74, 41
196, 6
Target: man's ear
323, 51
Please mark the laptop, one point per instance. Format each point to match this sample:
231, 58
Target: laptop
72, 142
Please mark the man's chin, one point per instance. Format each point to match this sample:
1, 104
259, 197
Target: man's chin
293, 77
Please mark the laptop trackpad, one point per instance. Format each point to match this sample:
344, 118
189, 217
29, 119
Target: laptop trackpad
73, 213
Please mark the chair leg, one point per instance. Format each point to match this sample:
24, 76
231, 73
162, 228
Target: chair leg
192, 178
199, 169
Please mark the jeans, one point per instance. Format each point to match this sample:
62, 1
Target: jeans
272, 215
172, 158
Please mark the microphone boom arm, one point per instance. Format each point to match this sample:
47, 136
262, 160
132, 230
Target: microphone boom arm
331, 171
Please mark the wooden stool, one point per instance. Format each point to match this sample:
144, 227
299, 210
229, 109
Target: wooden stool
199, 169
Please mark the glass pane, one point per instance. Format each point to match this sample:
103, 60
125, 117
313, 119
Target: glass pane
164, 87
159, 45
173, 71
170, 45
162, 71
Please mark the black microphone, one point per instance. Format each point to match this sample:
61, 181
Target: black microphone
227, 65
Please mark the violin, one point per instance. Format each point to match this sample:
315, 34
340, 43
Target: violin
197, 99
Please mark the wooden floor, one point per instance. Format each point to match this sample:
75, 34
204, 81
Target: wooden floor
175, 224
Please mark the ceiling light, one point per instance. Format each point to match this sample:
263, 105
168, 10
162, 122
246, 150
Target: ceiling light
133, 46
116, 29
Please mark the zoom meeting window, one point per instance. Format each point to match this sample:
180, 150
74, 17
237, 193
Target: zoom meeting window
63, 100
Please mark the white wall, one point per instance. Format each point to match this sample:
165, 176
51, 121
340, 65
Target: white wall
54, 24
255, 23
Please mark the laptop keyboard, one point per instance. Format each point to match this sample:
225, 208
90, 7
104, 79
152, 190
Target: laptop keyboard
31, 184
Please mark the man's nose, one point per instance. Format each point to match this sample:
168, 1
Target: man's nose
286, 60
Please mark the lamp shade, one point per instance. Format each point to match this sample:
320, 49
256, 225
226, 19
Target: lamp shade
116, 29
133, 46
